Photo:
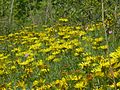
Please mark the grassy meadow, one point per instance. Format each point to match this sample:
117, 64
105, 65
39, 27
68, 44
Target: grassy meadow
60, 57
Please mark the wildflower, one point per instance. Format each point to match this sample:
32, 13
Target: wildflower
94, 47
79, 50
104, 47
80, 85
116, 74
99, 39
26, 62
13, 67
35, 83
51, 57
71, 77
61, 33
94, 43
56, 52
46, 50
1, 72
2, 87
110, 32
84, 64
21, 84
97, 69
112, 86
78, 27
26, 55
63, 19
45, 70
35, 46
1, 55
81, 33
91, 29
69, 47
118, 84
66, 37
11, 35
16, 50
40, 62
56, 60
99, 73
76, 54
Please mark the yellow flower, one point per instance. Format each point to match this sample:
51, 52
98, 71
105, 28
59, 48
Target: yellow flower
1, 55
104, 47
106, 64
16, 50
2, 88
56, 52
80, 85
91, 29
72, 32
81, 33
100, 39
46, 50
35, 46
51, 57
73, 77
115, 55
11, 35
35, 83
99, 74
40, 62
69, 47
94, 47
116, 74
1, 72
97, 69
79, 50
61, 33
45, 70
21, 84
28, 70
56, 60
13, 67
94, 43
118, 84
66, 36
26, 62
63, 19
76, 54
83, 64
78, 27
112, 86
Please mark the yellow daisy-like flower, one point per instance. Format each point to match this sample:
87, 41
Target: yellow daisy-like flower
1, 72
80, 85
26, 62
118, 84
63, 19
79, 49
35, 83
51, 57
78, 27
99, 39
104, 47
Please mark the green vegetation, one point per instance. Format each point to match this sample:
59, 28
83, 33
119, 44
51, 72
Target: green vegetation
59, 45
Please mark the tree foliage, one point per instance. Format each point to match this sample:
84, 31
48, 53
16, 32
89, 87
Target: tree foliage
47, 12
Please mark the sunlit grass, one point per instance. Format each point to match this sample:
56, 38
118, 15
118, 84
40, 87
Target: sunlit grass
60, 57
